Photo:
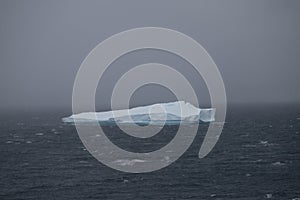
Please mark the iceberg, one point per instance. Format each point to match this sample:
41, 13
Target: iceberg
161, 113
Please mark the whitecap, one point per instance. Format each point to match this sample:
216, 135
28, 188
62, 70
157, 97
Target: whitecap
124, 162
266, 143
269, 196
125, 181
263, 142
278, 163
97, 135
167, 159
257, 161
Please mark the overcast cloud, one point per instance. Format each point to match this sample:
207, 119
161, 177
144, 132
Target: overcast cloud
255, 44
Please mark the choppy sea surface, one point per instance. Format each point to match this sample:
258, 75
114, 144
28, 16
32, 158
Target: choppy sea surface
256, 157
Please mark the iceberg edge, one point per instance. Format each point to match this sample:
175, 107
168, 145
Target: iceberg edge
171, 113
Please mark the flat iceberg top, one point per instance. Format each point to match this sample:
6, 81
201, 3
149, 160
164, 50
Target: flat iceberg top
168, 113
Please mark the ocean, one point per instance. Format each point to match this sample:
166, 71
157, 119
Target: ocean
256, 157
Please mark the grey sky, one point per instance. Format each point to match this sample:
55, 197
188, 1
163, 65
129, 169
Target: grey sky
255, 44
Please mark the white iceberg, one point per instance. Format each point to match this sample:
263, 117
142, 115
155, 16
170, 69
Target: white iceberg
162, 113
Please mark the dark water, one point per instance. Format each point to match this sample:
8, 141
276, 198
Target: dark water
257, 157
